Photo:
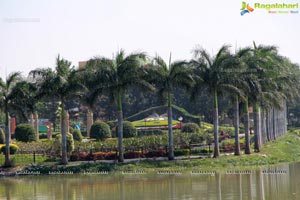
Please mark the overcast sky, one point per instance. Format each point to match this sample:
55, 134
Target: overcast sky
33, 33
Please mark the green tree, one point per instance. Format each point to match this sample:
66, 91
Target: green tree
115, 77
166, 77
6, 103
63, 83
209, 75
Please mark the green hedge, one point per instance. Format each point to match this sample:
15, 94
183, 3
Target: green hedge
25, 133
70, 143
12, 149
77, 135
190, 128
149, 132
2, 136
100, 131
128, 130
181, 152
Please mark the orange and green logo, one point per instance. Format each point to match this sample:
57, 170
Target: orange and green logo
246, 8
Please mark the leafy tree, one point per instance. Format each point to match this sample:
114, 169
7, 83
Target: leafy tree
166, 77
209, 74
116, 76
6, 103
63, 83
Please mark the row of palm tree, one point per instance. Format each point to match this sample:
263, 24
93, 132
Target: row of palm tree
256, 76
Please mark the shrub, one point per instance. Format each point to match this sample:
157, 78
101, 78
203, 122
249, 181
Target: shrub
190, 128
43, 136
128, 130
79, 156
71, 129
200, 151
100, 131
181, 152
70, 143
149, 132
104, 155
133, 154
2, 136
155, 153
25, 133
12, 148
77, 135
111, 124
198, 138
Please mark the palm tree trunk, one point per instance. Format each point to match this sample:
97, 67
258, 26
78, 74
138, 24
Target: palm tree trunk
120, 129
236, 126
246, 127
257, 143
170, 134
63, 135
7, 139
216, 125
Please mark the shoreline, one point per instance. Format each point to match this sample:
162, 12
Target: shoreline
284, 150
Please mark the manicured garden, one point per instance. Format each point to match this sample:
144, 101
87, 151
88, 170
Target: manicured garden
191, 140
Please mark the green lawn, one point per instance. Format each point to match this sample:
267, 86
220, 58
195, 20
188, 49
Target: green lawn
155, 122
24, 159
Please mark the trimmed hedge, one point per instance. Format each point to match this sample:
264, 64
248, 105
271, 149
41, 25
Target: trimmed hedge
181, 152
190, 128
25, 133
70, 143
149, 132
77, 135
12, 149
100, 131
128, 130
2, 136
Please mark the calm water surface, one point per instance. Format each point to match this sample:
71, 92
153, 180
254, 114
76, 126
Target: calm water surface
281, 183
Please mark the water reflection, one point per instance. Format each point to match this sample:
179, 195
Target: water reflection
278, 183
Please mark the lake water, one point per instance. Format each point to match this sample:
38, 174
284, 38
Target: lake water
281, 183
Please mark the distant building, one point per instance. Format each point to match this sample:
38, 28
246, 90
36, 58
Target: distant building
81, 64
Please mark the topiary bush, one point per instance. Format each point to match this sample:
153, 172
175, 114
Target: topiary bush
25, 133
77, 135
190, 128
100, 131
128, 130
70, 143
12, 149
2, 136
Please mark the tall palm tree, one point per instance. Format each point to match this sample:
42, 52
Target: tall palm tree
209, 73
63, 83
6, 88
265, 62
239, 80
115, 77
25, 99
166, 77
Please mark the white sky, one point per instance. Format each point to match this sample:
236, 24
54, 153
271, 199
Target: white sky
33, 33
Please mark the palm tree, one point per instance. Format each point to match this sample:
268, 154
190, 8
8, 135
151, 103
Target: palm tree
264, 60
166, 78
209, 73
25, 99
62, 83
239, 80
6, 102
115, 77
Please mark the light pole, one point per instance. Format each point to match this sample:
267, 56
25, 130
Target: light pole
180, 120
